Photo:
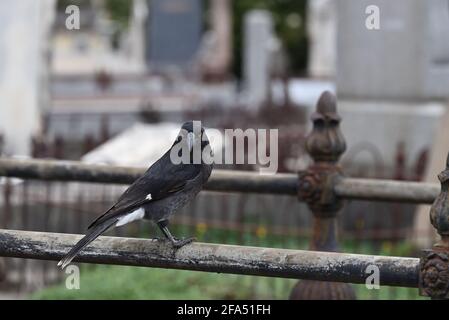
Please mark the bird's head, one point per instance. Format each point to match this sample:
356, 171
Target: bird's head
192, 137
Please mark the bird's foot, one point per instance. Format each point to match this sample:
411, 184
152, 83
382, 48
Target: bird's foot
178, 243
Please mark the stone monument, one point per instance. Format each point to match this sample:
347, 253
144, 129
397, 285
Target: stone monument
321, 28
392, 73
24, 44
258, 42
174, 33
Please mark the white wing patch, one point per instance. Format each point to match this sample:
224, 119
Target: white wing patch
135, 215
148, 197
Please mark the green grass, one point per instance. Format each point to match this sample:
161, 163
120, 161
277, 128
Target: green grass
387, 293
116, 282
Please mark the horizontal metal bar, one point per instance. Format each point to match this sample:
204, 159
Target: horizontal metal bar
387, 190
222, 180
67, 171
246, 181
283, 263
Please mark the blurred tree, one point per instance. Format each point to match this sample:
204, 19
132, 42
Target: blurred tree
120, 11
289, 19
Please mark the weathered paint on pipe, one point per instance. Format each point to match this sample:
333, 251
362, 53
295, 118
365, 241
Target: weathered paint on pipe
222, 180
246, 181
298, 264
387, 190
68, 171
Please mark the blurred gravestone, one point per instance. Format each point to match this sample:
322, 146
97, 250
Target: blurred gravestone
395, 76
215, 55
407, 58
137, 33
174, 32
24, 71
258, 38
321, 29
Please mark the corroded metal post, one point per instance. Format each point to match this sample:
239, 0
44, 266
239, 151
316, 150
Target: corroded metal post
325, 144
434, 265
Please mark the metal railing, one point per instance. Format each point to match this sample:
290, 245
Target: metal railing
322, 186
223, 180
283, 263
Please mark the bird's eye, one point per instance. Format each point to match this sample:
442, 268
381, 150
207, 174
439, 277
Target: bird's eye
178, 139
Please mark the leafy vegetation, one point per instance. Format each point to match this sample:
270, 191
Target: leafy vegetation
119, 11
289, 21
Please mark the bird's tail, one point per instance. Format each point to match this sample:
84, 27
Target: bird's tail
91, 235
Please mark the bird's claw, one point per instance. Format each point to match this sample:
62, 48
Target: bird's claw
178, 243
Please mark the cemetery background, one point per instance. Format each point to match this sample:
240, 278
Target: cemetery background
245, 64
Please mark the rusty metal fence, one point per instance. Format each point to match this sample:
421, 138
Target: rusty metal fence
323, 187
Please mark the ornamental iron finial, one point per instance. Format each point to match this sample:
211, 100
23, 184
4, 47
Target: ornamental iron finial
326, 143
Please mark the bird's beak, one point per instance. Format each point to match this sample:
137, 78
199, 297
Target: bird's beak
190, 140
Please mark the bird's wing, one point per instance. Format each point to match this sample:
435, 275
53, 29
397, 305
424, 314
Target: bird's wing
160, 181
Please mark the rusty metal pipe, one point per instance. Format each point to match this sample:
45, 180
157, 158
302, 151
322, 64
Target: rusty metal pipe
283, 263
221, 180
386, 190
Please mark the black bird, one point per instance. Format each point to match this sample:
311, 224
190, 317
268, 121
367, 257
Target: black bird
165, 187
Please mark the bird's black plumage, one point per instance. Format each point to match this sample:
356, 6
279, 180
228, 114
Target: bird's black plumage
163, 189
